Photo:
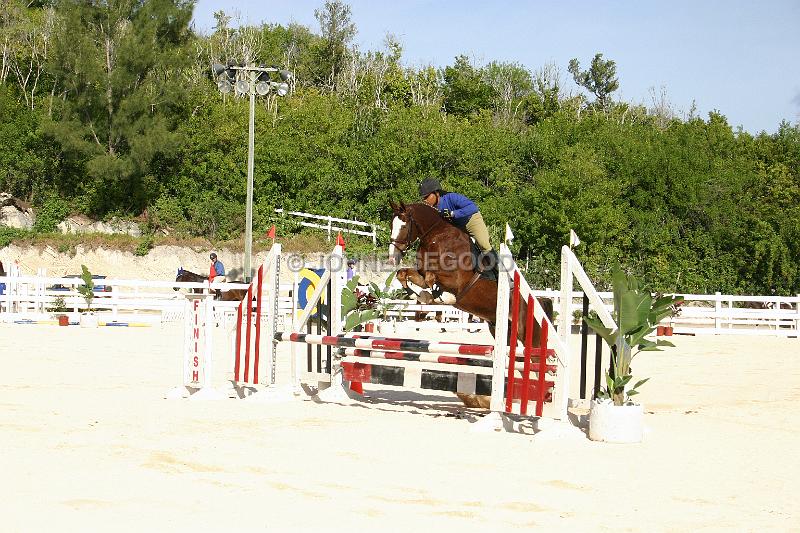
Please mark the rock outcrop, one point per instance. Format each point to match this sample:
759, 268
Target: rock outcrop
15, 213
82, 224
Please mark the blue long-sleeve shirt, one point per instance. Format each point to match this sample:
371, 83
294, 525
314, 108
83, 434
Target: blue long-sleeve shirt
459, 205
217, 269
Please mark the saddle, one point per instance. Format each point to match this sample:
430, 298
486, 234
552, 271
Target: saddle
483, 263
485, 266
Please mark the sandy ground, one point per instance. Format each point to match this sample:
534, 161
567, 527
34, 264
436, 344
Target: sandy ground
89, 444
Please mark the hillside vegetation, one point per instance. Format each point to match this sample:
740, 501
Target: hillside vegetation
110, 109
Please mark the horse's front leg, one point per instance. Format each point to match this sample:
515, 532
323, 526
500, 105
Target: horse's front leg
406, 275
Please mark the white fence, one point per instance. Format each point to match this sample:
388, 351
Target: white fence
435, 317
146, 301
717, 314
30, 298
342, 224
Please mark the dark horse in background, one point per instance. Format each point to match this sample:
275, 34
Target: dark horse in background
231, 295
444, 265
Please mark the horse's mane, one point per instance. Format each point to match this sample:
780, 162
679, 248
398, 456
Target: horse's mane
424, 213
183, 272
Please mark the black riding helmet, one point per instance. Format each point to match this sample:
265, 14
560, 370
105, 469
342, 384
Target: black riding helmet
213, 256
428, 186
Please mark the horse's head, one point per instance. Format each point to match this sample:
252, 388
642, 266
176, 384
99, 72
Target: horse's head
410, 223
400, 238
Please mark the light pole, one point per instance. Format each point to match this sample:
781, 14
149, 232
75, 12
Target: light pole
250, 80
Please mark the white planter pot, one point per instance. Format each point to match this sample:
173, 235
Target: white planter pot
386, 328
622, 424
89, 320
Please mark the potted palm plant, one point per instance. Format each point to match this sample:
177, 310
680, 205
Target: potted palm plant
88, 317
362, 307
358, 307
386, 299
614, 417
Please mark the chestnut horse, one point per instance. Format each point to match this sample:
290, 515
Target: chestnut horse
445, 267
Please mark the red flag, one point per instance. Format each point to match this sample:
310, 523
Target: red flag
340, 240
271, 232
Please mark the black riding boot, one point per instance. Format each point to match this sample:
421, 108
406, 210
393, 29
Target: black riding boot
489, 265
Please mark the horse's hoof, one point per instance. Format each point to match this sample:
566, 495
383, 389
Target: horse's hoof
474, 401
425, 298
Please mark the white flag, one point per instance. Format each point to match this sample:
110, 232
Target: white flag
509, 235
573, 239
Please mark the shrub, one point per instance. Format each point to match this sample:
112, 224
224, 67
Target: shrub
51, 212
9, 235
144, 246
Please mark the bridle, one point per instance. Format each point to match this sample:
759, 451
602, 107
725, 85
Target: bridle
402, 246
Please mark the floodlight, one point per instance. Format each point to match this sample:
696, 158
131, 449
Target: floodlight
262, 88
218, 69
224, 86
285, 75
282, 88
242, 87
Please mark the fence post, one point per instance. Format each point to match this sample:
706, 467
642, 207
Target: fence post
564, 322
797, 322
730, 312
115, 300
717, 312
565, 298
499, 354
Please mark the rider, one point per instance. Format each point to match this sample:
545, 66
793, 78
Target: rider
458, 209
461, 211
217, 273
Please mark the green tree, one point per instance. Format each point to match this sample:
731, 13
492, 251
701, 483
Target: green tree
337, 30
510, 82
118, 67
600, 80
465, 89
27, 163
544, 100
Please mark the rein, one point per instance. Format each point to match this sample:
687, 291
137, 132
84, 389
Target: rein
413, 223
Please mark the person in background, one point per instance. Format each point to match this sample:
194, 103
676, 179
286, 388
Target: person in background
217, 273
351, 263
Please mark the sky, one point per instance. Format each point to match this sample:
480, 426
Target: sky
741, 58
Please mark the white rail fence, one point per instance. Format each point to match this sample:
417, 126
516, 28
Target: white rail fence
341, 224
147, 301
715, 314
31, 298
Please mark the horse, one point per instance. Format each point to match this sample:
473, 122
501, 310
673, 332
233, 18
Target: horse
231, 295
445, 266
